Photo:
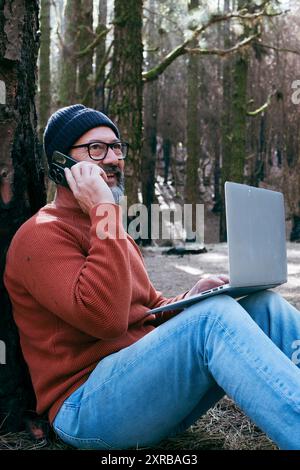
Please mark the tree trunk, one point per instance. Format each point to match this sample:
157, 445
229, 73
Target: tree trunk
234, 123
167, 149
191, 189
217, 144
150, 129
100, 58
44, 68
295, 232
85, 63
127, 87
22, 190
226, 123
68, 73
193, 124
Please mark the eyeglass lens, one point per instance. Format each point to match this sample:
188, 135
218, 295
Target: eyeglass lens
98, 150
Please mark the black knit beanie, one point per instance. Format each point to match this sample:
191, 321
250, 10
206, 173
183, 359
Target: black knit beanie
66, 125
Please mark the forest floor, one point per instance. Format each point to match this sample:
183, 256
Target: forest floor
224, 426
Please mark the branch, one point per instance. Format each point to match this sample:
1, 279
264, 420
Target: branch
93, 44
223, 52
67, 47
103, 63
154, 73
279, 49
99, 72
263, 107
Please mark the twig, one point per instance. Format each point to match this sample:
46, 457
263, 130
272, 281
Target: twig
223, 52
279, 49
263, 107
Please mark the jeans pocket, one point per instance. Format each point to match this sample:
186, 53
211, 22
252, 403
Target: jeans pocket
81, 442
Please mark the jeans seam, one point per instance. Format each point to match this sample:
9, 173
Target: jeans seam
81, 439
71, 406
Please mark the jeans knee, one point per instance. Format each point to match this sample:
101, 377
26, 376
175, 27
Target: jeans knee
267, 296
218, 318
219, 307
268, 302
265, 307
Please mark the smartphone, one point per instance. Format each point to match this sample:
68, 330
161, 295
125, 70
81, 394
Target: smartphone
57, 166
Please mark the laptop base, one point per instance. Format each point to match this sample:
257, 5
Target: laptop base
225, 289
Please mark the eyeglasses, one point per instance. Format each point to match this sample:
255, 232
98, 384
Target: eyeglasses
98, 150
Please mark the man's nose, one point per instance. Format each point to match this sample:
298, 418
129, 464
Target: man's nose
111, 158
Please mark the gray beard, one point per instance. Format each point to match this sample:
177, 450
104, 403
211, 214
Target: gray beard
118, 191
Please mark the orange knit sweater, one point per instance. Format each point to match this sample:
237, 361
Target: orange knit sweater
76, 297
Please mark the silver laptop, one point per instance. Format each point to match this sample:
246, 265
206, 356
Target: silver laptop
256, 244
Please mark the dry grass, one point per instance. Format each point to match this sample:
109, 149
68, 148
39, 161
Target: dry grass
222, 427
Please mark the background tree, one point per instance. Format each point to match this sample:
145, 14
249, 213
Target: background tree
85, 54
148, 160
101, 54
68, 63
127, 87
194, 78
235, 76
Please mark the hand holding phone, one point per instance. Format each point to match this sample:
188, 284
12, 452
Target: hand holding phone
82, 178
57, 168
87, 182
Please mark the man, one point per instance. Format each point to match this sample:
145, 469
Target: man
109, 374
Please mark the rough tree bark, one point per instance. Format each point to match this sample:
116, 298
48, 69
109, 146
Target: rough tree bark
127, 86
22, 190
44, 68
235, 75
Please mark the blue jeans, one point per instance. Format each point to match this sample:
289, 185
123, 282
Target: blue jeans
163, 383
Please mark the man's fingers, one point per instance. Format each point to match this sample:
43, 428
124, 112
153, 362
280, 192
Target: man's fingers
209, 283
99, 171
224, 278
214, 279
76, 171
85, 170
70, 179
